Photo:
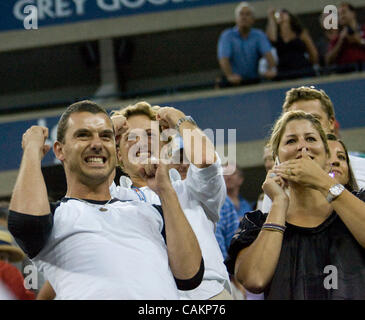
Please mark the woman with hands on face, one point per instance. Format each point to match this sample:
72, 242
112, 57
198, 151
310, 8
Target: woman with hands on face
314, 223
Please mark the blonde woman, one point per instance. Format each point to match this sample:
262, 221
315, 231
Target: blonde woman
311, 243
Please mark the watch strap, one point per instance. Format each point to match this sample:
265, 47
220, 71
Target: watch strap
183, 119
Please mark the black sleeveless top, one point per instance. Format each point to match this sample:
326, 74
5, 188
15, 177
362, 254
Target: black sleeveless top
321, 263
292, 55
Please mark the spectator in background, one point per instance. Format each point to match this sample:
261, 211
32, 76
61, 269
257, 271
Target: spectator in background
234, 182
19, 264
294, 46
228, 224
349, 46
226, 228
327, 36
10, 276
240, 49
228, 220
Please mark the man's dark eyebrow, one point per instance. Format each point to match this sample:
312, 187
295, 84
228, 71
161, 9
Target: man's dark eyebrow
108, 131
81, 130
85, 130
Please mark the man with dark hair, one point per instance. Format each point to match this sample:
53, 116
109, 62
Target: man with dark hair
349, 46
89, 245
81, 106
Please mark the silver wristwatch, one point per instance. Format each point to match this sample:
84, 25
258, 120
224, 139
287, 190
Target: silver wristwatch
183, 119
334, 192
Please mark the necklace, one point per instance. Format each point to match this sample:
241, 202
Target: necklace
102, 208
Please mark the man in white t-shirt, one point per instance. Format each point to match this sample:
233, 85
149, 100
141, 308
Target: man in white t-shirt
89, 245
318, 103
201, 194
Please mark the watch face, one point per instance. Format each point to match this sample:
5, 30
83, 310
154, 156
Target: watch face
336, 190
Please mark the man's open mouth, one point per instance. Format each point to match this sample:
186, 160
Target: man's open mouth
95, 160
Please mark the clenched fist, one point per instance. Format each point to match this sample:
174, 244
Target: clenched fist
169, 117
34, 139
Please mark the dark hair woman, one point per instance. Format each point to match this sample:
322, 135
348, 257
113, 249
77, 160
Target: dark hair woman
295, 48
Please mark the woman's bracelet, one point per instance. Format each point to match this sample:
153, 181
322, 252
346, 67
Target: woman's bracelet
273, 227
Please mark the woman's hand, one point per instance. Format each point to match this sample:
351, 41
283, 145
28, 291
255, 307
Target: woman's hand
274, 187
304, 171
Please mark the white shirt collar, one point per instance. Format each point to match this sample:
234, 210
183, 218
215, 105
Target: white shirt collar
174, 175
125, 182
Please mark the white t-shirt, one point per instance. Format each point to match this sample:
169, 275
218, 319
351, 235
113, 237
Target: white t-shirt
116, 254
201, 196
358, 168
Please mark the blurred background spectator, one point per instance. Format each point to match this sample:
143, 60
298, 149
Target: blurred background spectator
228, 218
234, 182
294, 46
10, 276
240, 49
18, 260
349, 45
326, 36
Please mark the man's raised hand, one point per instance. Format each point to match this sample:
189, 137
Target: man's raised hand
35, 139
120, 127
